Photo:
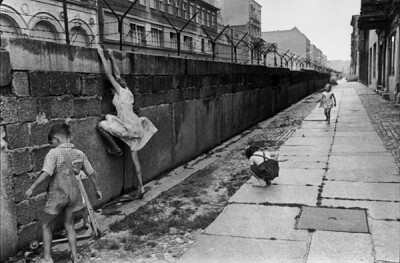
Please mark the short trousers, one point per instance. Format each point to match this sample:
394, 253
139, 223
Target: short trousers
57, 204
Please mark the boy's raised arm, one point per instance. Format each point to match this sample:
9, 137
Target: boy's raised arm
42, 177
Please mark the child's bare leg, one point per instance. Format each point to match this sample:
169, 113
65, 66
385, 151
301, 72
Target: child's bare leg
328, 115
138, 169
69, 226
85, 216
112, 147
47, 235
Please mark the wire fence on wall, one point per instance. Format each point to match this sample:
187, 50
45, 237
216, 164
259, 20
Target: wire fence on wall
193, 36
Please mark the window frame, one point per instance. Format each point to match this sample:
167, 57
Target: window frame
138, 37
392, 54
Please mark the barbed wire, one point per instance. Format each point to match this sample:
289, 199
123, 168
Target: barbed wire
193, 44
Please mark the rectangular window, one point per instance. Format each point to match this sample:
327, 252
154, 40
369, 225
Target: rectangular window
142, 2
187, 43
391, 53
151, 3
191, 11
374, 62
160, 5
370, 66
173, 40
170, 7
204, 16
208, 19
156, 37
203, 45
137, 34
198, 17
177, 8
185, 13
209, 46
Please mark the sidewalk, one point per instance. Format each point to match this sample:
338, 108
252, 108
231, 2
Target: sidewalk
337, 198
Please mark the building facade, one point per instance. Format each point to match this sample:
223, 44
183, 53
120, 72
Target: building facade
245, 15
292, 40
297, 43
46, 20
379, 47
163, 27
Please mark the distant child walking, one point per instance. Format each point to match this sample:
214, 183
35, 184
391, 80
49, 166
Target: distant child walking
328, 101
263, 164
61, 165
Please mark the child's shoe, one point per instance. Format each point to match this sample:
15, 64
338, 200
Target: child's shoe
268, 182
262, 182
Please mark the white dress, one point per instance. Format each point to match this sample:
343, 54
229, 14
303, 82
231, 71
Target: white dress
327, 101
133, 130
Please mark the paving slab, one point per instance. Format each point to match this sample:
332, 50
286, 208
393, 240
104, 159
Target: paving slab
337, 247
309, 141
360, 147
305, 150
300, 176
356, 133
375, 210
305, 133
216, 249
352, 119
333, 219
317, 125
362, 191
355, 139
363, 175
349, 128
386, 240
258, 221
276, 194
358, 124
370, 162
303, 162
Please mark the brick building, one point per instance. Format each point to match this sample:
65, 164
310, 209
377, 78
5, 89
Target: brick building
379, 46
45, 21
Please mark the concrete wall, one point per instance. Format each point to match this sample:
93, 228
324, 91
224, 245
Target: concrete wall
194, 104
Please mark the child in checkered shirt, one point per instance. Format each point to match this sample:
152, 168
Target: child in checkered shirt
62, 164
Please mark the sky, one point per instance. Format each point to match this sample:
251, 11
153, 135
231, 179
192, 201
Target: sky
326, 23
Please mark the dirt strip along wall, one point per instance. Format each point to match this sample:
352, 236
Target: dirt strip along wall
195, 105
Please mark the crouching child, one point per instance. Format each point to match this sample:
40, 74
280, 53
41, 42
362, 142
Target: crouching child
264, 165
62, 163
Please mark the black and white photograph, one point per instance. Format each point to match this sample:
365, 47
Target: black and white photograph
200, 131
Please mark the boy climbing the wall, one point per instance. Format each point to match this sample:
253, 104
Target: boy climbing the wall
62, 164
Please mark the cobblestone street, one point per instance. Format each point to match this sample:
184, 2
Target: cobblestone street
385, 118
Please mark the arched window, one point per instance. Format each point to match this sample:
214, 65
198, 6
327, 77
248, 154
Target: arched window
45, 31
79, 37
8, 26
